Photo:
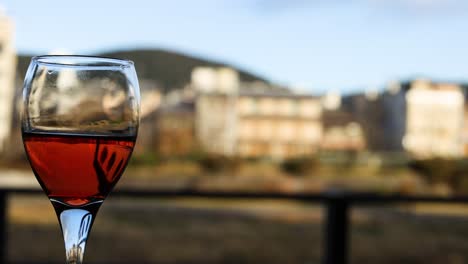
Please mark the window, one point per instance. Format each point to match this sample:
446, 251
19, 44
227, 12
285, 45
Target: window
247, 105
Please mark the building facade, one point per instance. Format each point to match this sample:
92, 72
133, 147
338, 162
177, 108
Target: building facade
175, 130
278, 126
7, 79
215, 109
393, 101
434, 120
423, 118
249, 122
341, 132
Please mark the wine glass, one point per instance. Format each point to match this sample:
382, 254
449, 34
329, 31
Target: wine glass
79, 125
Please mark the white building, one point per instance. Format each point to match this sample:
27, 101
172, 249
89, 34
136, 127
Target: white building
434, 119
7, 78
251, 120
215, 113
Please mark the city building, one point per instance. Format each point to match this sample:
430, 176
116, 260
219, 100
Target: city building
465, 130
434, 119
219, 114
175, 130
151, 101
393, 100
216, 109
381, 116
341, 132
7, 79
278, 125
252, 119
367, 111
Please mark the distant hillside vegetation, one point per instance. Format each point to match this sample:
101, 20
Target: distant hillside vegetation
170, 69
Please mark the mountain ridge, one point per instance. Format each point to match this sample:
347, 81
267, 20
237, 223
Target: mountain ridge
170, 69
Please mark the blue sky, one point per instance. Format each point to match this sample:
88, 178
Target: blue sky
314, 45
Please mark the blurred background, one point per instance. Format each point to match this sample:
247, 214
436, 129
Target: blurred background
367, 96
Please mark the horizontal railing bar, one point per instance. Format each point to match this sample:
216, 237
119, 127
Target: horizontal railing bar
350, 197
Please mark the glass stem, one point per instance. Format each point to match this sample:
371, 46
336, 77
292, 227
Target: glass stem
76, 223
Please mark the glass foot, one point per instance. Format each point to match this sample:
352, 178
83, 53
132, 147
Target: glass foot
76, 223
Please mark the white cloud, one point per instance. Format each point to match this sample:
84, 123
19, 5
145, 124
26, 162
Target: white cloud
412, 8
280, 5
421, 6
414, 5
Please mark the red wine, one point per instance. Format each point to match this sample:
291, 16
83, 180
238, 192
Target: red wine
77, 169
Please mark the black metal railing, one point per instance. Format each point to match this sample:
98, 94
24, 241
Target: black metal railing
337, 207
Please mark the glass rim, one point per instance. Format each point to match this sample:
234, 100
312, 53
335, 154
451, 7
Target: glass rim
81, 61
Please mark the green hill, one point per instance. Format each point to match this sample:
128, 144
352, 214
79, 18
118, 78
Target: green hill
170, 69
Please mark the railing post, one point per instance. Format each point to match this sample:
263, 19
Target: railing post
3, 226
336, 230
